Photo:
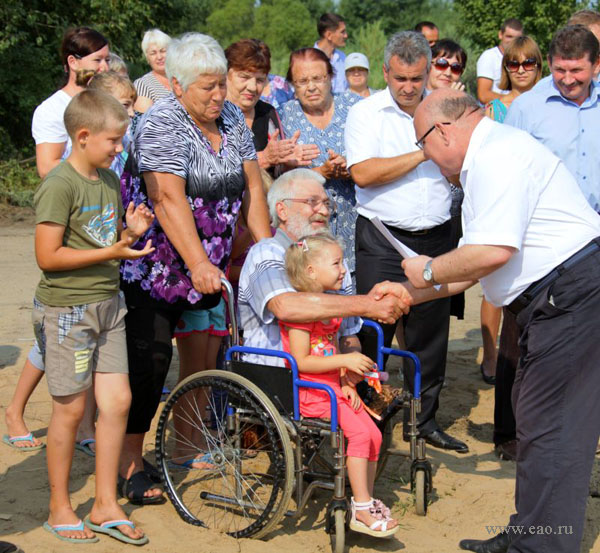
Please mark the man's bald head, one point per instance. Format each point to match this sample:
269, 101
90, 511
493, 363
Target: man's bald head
444, 123
445, 104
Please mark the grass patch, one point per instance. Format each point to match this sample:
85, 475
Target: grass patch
18, 181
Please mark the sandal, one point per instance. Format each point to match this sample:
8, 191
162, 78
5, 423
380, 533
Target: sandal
379, 528
134, 488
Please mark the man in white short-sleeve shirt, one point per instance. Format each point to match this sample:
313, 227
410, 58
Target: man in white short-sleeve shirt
395, 183
489, 64
531, 238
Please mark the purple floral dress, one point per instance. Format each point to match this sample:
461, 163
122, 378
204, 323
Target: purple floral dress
168, 141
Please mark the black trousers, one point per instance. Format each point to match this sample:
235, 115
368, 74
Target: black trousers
505, 427
555, 400
426, 326
149, 352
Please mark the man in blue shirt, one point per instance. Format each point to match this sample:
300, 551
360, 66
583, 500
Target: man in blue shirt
563, 110
332, 30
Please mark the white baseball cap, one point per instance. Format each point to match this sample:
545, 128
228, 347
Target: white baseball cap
356, 59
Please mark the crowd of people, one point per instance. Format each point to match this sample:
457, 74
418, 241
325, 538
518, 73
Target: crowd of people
210, 166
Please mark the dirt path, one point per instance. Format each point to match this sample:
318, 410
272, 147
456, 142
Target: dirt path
471, 491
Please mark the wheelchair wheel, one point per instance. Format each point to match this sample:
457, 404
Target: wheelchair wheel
338, 536
420, 492
247, 476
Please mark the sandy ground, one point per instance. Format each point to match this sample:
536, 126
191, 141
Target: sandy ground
470, 491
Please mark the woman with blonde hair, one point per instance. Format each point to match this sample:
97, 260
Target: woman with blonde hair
521, 70
154, 85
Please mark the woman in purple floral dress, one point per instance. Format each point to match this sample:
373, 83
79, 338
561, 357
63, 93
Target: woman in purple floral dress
193, 161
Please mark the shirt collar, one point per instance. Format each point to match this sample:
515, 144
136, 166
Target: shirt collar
386, 101
480, 133
554, 92
283, 238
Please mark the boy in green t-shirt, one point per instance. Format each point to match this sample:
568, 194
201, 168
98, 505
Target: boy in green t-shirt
78, 314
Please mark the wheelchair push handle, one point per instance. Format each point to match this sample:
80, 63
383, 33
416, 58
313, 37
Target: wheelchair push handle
230, 300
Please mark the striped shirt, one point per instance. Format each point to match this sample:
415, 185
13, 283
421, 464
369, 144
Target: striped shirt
149, 86
263, 277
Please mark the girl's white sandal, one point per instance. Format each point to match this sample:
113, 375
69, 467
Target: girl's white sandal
378, 529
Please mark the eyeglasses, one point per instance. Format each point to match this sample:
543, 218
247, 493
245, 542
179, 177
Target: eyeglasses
314, 203
302, 83
528, 65
421, 142
442, 64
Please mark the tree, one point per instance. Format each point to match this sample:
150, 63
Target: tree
231, 22
480, 20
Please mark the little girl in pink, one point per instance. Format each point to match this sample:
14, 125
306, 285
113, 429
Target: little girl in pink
316, 264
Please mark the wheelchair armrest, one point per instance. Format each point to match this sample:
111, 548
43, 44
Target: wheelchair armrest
299, 383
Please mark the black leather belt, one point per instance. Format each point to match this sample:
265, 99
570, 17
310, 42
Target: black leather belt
526, 297
401, 232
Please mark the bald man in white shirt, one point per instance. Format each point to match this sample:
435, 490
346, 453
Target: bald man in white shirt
532, 240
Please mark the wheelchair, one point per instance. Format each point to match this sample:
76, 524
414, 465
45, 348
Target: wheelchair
244, 423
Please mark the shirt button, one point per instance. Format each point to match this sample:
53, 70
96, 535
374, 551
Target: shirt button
584, 178
583, 154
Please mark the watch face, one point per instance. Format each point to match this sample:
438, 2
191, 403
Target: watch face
427, 275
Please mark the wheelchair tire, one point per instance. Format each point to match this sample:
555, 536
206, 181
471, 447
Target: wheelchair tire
420, 492
338, 536
246, 489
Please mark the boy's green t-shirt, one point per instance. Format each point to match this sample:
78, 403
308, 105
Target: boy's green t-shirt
89, 210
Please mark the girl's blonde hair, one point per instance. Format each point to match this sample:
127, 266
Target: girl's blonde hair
110, 81
299, 256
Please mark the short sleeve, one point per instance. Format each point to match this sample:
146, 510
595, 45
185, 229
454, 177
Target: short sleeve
53, 201
498, 206
308, 327
484, 67
263, 277
47, 125
247, 149
161, 144
360, 136
350, 325
141, 87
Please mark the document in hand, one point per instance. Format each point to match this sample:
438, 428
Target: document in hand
401, 248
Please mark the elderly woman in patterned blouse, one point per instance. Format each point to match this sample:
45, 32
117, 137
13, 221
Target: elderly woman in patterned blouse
321, 118
196, 165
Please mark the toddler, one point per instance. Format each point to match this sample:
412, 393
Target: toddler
315, 264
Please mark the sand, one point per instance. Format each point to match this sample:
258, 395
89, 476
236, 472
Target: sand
471, 491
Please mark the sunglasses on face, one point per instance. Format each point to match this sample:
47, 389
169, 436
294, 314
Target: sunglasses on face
442, 64
528, 65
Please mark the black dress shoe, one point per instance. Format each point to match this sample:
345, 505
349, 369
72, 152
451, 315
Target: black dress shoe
497, 544
438, 438
488, 379
507, 451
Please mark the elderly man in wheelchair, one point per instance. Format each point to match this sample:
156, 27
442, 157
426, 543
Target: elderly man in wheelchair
248, 416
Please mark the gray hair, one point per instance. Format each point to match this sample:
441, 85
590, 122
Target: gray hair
192, 55
283, 187
409, 46
156, 37
117, 64
454, 107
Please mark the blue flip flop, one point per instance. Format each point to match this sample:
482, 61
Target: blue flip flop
10, 442
110, 529
55, 529
84, 445
187, 465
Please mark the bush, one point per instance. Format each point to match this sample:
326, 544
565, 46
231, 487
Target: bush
18, 182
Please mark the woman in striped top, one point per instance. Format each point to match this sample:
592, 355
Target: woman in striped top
154, 85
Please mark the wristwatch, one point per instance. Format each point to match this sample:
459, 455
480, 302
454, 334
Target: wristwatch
428, 273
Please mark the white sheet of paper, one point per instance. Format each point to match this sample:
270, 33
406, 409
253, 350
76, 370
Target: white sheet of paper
401, 248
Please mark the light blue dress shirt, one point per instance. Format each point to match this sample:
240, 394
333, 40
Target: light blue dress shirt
339, 83
570, 131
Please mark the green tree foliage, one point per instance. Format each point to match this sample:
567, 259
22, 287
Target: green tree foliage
394, 15
480, 20
232, 21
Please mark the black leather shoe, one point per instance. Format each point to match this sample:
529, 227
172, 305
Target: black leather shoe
497, 544
507, 451
438, 438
